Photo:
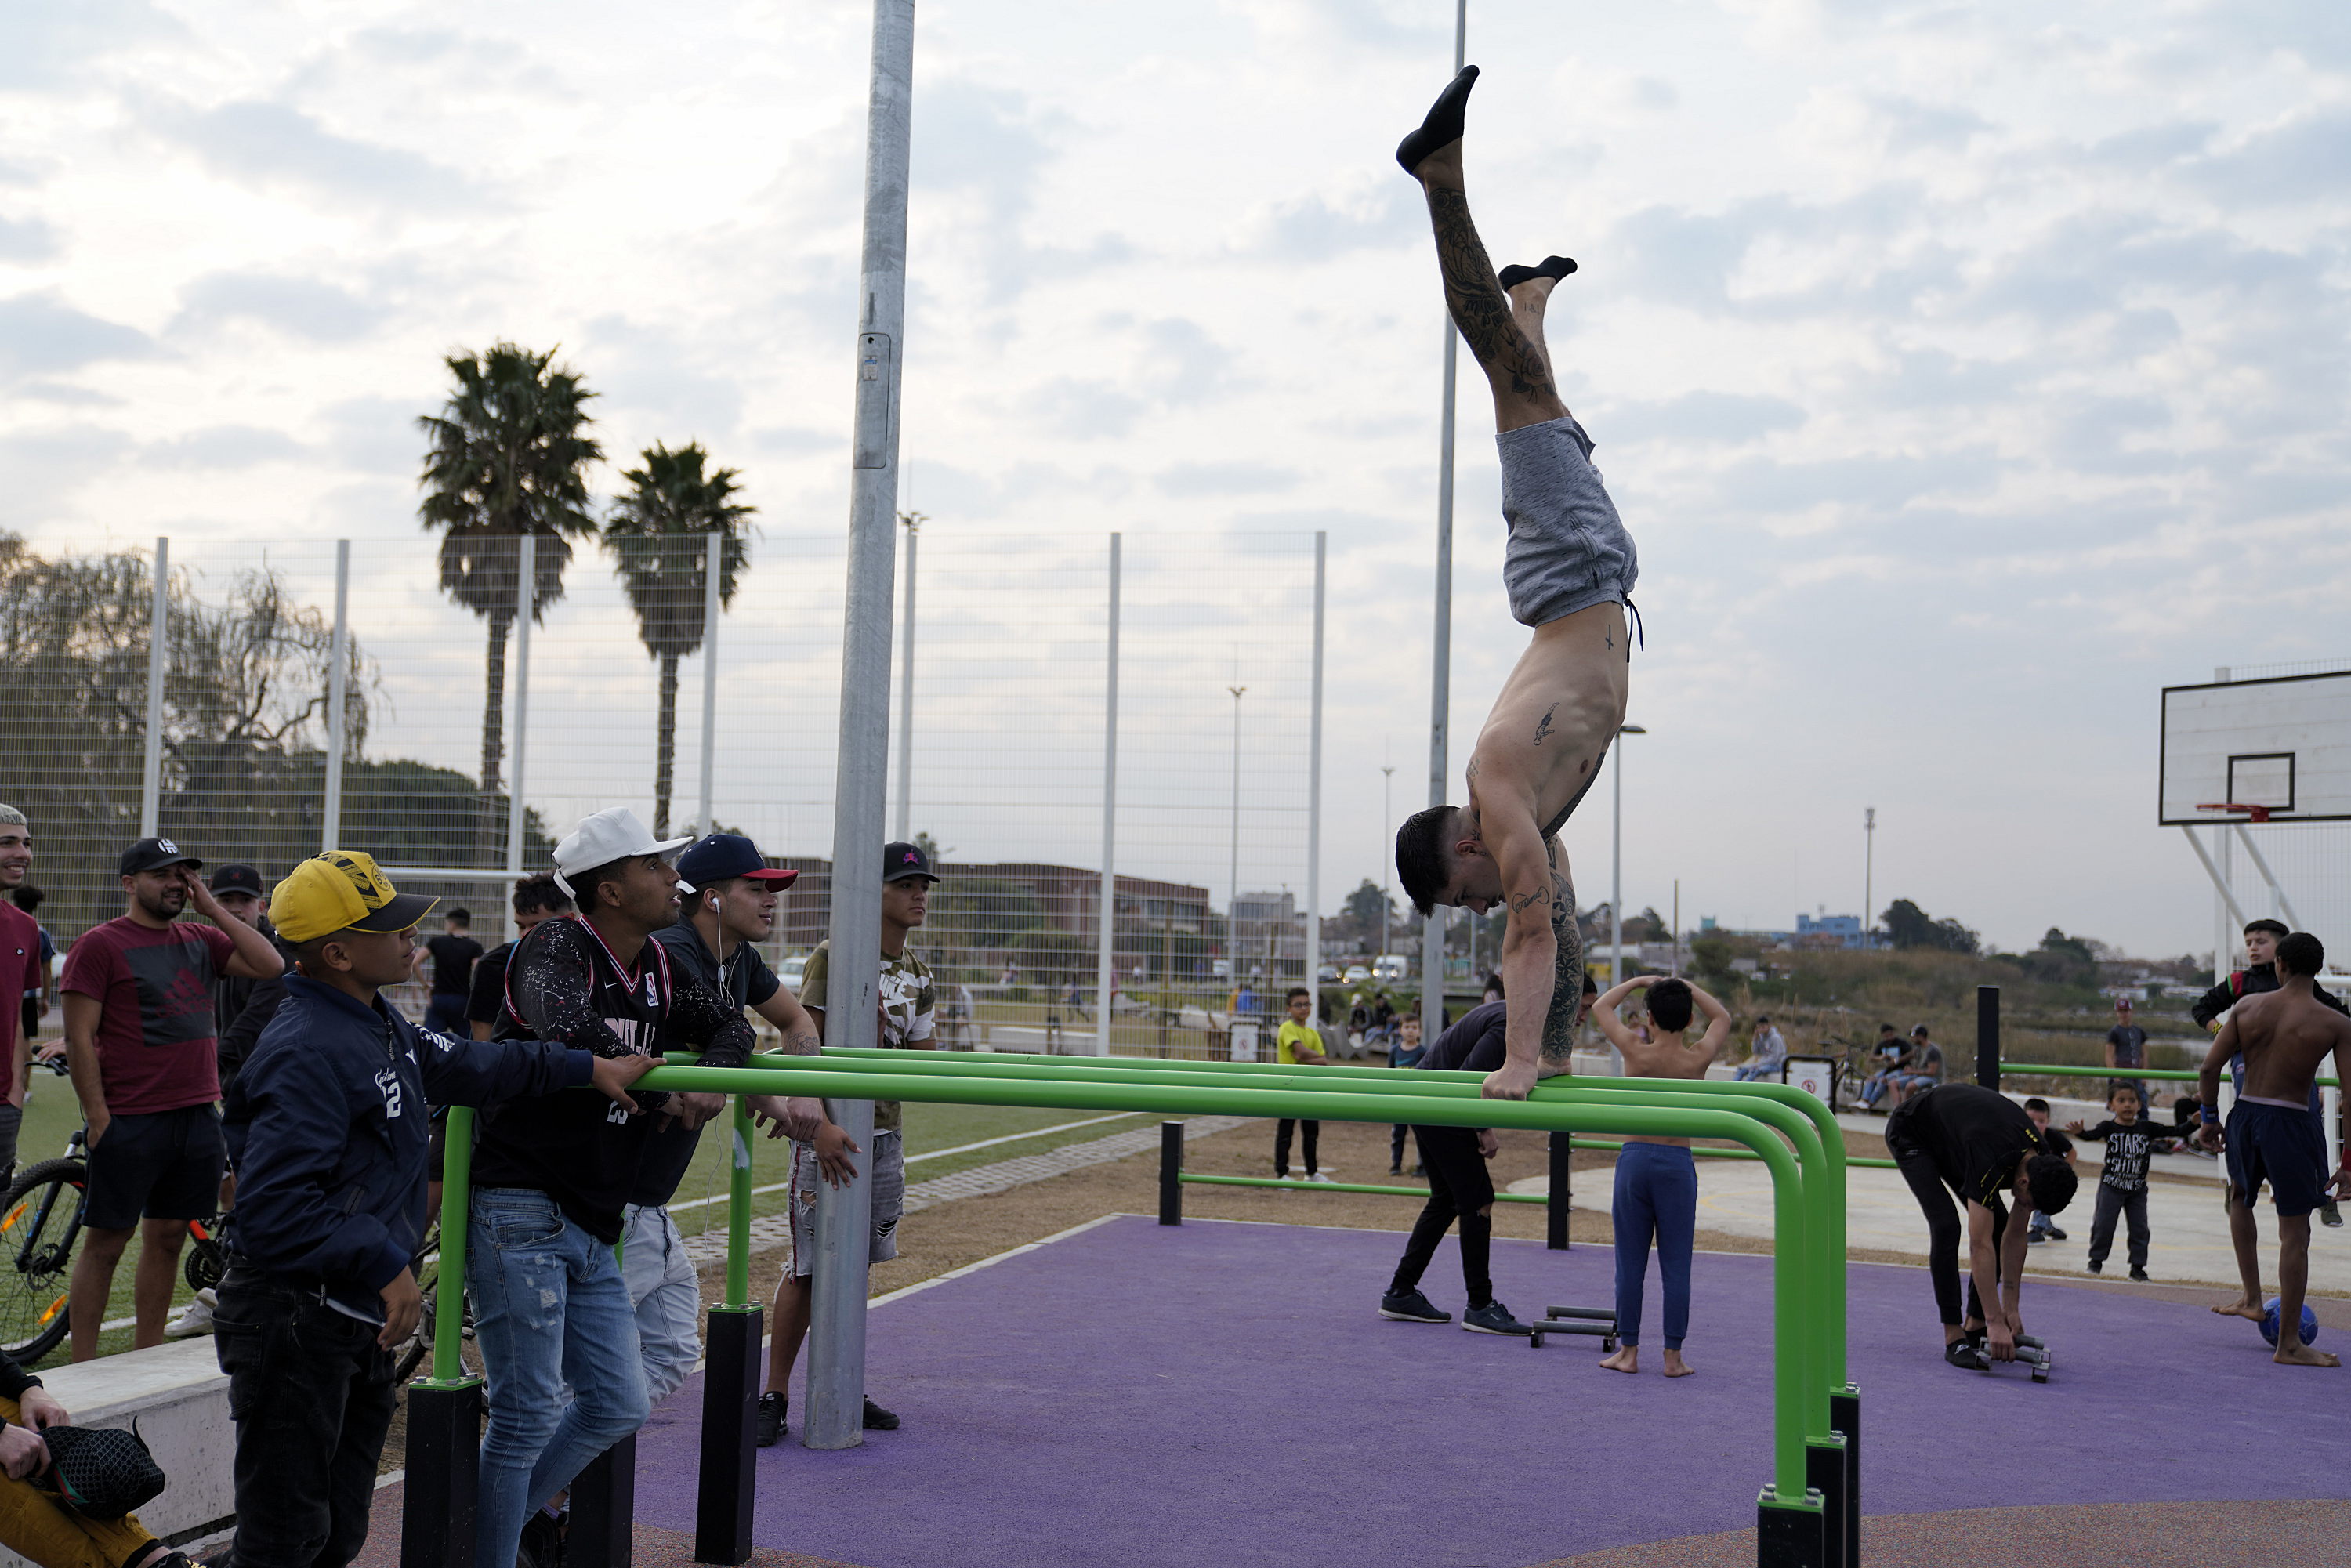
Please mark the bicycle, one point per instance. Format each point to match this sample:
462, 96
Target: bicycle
41, 1224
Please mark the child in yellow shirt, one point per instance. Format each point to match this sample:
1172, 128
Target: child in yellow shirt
1299, 1044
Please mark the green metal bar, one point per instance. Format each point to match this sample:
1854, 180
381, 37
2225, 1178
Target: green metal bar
1799, 1298
1719, 1154
1194, 1180
2167, 1075
739, 1210
457, 1214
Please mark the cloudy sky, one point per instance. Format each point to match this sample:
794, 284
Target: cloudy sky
1965, 373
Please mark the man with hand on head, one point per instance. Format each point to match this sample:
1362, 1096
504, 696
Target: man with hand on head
553, 1174
22, 970
1657, 1178
326, 1125
243, 1008
140, 1041
2283, 1036
730, 891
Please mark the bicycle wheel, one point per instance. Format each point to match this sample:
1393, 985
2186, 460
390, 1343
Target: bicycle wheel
205, 1263
40, 1226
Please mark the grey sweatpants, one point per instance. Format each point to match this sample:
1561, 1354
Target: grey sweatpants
1568, 549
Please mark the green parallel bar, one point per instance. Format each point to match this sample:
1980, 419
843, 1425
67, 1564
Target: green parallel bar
739, 1210
1701, 1154
2168, 1074
1350, 1187
1806, 1122
1798, 1296
457, 1214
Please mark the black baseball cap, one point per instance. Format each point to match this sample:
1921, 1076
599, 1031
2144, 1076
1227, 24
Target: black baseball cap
236, 877
903, 861
154, 854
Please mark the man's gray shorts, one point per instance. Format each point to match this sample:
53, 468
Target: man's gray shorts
1568, 549
887, 1155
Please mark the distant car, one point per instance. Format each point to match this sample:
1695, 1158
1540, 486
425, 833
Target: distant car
1356, 976
795, 969
1326, 973
1391, 967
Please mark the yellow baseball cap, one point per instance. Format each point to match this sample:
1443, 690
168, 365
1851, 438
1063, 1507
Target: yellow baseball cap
343, 890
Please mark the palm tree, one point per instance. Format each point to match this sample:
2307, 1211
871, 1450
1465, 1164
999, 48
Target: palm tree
659, 534
506, 458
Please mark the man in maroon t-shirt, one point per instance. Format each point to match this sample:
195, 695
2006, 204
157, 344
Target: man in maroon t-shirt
20, 970
139, 1041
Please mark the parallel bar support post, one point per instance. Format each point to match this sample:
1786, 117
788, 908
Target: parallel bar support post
330, 804
604, 1510
1988, 1037
1825, 1472
1562, 1162
1106, 932
714, 569
440, 1498
728, 1483
1171, 1173
158, 662
1788, 1534
1844, 1420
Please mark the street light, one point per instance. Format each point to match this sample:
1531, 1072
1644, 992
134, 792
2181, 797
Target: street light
1387, 861
1233, 901
1617, 864
1868, 877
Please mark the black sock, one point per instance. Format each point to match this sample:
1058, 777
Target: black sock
1444, 123
1552, 266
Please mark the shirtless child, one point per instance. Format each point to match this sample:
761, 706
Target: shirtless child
1657, 1178
1570, 568
2272, 1137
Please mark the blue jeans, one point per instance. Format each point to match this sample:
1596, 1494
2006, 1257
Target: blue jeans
1760, 1072
1656, 1195
446, 1013
551, 1309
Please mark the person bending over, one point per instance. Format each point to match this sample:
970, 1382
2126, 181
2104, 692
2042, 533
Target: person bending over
1460, 1190
1569, 567
2272, 1137
1981, 1146
1657, 1178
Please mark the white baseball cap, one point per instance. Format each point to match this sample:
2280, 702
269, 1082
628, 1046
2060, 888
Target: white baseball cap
612, 834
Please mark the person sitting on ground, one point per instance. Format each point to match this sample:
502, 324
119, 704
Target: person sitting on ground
1657, 1178
325, 1126
1767, 1055
2043, 1228
2130, 1141
1921, 1071
1460, 1190
36, 1523
1980, 1145
2283, 1036
1299, 1044
1406, 1051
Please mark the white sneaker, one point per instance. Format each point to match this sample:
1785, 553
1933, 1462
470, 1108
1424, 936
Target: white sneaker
1321, 1176
196, 1318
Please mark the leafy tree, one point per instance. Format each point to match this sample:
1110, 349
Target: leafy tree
1365, 905
1909, 926
507, 457
659, 532
2061, 960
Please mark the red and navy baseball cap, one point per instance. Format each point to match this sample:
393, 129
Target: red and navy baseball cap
903, 861
716, 857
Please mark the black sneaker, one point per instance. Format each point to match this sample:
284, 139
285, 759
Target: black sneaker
878, 1420
1395, 1170
1493, 1318
769, 1426
1412, 1307
542, 1542
2036, 1236
2097, 1266
2140, 1274
1967, 1355
2055, 1235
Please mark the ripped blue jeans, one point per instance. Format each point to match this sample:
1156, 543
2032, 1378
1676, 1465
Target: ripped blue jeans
553, 1313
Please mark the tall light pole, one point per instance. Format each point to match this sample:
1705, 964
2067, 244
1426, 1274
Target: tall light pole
1616, 863
1233, 897
1387, 861
1868, 877
1440, 684
914, 522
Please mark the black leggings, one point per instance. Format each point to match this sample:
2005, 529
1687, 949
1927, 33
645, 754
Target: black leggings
1944, 1228
1460, 1188
1281, 1145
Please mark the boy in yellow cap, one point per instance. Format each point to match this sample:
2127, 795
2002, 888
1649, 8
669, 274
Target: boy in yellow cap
328, 1131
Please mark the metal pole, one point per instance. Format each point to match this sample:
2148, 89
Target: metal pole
1233, 878
836, 1376
2220, 886
1988, 1037
2279, 903
159, 661
1868, 877
714, 567
525, 610
1312, 979
1105, 940
1616, 871
1387, 861
914, 521
330, 808
1440, 684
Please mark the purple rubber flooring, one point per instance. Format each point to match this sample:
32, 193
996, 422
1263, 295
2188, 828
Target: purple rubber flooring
1225, 1393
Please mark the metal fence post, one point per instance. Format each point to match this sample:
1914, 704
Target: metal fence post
159, 661
1313, 979
1106, 941
518, 748
1988, 1037
713, 569
330, 806
836, 1360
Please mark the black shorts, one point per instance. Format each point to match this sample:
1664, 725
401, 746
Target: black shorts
2281, 1145
166, 1164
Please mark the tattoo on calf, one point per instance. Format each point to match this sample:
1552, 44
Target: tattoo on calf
1566, 981
1479, 306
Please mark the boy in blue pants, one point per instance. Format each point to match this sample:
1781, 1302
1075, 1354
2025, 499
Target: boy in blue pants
1657, 1178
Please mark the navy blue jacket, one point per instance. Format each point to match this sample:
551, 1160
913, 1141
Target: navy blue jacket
328, 1131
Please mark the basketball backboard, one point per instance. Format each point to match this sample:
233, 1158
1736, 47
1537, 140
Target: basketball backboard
2282, 743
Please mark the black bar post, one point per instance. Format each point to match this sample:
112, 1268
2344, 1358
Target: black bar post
444, 1458
1171, 1170
1786, 1536
730, 1404
1825, 1472
604, 1510
1988, 1037
1563, 1159
1844, 1420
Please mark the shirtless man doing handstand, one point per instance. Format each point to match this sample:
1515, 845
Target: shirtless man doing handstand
2272, 1137
1569, 567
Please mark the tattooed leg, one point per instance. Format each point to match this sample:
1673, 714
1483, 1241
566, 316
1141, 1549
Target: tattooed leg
1567, 972
1529, 290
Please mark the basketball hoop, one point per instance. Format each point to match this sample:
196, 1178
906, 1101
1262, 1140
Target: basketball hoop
2252, 814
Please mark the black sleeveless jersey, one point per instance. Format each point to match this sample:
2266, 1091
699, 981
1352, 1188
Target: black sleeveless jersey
575, 1145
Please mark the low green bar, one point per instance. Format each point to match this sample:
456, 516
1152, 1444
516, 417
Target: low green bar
1189, 1177
2166, 1074
739, 1210
1798, 1298
1721, 1153
456, 1211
